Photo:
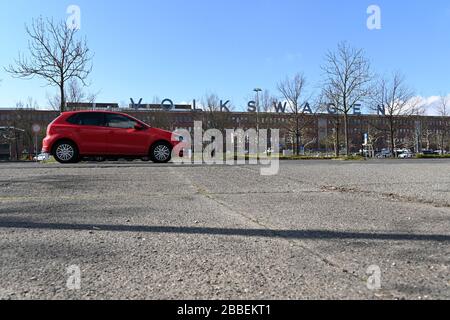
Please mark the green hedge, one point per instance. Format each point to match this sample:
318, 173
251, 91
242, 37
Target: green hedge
433, 156
344, 158
305, 158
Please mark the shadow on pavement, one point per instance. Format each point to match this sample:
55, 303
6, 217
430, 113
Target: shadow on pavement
265, 233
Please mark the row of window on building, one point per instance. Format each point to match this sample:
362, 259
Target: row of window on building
28, 116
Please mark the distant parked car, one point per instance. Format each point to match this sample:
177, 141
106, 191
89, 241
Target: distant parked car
428, 152
406, 155
75, 135
385, 153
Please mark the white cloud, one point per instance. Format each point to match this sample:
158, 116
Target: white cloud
430, 104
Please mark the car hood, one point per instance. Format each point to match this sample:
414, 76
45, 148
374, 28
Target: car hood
163, 133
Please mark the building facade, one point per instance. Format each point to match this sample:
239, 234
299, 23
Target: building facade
317, 132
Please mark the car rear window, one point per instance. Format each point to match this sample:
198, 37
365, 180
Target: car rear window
87, 119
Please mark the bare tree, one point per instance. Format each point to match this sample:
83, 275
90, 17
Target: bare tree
214, 116
443, 110
417, 107
327, 104
20, 126
347, 81
74, 93
54, 101
374, 135
428, 135
293, 91
31, 103
56, 55
20, 105
211, 102
267, 101
396, 98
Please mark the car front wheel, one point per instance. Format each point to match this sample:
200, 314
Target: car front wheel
161, 152
66, 152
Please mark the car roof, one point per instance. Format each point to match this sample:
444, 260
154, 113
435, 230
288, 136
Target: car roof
70, 113
92, 111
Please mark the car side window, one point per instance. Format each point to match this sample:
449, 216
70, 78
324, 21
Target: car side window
87, 119
74, 119
120, 122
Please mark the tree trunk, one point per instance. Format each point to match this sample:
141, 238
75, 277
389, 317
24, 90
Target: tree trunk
391, 136
337, 142
297, 137
63, 98
347, 145
393, 144
16, 145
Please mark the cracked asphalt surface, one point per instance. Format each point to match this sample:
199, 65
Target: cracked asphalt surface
144, 231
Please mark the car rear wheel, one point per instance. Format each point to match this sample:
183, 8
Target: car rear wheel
161, 152
66, 152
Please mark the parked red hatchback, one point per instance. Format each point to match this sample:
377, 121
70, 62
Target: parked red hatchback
75, 135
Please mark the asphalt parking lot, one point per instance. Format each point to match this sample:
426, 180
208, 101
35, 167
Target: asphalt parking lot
144, 231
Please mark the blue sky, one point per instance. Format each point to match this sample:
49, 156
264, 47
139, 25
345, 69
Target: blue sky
183, 49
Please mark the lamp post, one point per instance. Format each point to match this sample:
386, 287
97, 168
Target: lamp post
257, 90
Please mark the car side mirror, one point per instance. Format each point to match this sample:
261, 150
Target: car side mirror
138, 127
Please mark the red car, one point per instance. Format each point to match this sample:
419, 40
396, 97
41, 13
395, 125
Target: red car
75, 135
